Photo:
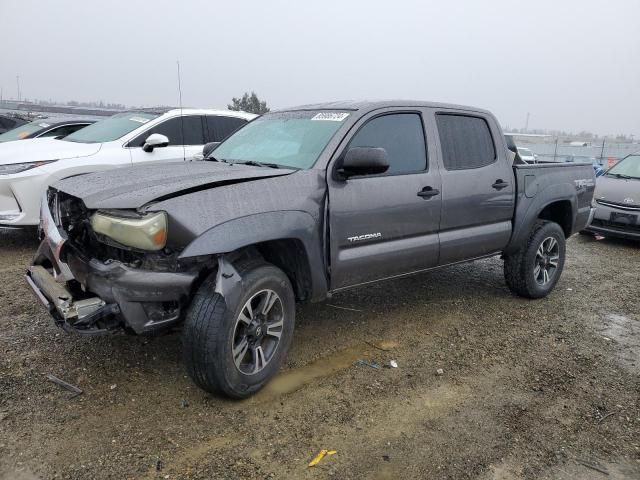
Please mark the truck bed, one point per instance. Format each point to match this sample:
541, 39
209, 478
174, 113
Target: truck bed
548, 184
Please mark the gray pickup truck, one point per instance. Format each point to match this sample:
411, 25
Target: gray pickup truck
295, 206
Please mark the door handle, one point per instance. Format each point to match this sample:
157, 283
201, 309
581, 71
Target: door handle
500, 184
428, 192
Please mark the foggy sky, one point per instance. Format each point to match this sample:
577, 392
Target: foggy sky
574, 65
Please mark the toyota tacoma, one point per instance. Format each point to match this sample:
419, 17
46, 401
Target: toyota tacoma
296, 206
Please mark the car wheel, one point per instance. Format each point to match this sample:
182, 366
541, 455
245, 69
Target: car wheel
236, 349
535, 269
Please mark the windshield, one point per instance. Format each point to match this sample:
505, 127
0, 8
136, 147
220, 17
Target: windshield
525, 152
288, 139
22, 131
111, 128
627, 167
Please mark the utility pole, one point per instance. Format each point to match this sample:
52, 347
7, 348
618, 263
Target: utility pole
18, 83
556, 150
526, 124
602, 152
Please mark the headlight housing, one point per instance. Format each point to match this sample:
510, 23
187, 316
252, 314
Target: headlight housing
21, 167
148, 232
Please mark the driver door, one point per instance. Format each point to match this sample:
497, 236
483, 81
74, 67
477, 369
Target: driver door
181, 147
387, 224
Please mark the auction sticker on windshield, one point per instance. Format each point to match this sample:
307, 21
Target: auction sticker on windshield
330, 116
139, 119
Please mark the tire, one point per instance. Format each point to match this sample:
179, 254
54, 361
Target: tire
521, 271
212, 329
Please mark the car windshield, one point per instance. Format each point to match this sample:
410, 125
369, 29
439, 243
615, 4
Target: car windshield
627, 167
525, 151
111, 128
22, 131
288, 139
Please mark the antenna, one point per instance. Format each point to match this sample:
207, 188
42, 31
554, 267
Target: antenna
184, 153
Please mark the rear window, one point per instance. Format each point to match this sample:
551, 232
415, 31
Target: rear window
466, 141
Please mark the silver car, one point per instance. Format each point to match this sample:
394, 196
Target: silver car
617, 200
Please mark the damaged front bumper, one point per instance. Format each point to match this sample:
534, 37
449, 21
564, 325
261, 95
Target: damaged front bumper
106, 297
88, 296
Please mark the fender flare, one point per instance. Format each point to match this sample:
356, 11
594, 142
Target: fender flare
528, 211
262, 227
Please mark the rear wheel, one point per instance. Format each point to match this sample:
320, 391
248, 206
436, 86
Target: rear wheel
236, 349
535, 269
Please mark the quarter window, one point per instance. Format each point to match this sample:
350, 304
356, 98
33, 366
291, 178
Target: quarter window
466, 142
401, 135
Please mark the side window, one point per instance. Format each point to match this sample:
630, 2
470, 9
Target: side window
466, 142
62, 131
172, 129
401, 135
221, 127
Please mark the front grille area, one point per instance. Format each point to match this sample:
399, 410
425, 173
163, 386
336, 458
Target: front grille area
622, 206
621, 227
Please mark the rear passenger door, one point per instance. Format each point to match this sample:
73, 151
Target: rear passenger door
379, 224
477, 186
186, 138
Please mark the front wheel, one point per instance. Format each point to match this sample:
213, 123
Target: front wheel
236, 349
535, 269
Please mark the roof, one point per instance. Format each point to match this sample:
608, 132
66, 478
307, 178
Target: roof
54, 122
367, 105
193, 111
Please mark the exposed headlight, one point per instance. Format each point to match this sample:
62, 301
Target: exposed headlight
148, 232
21, 167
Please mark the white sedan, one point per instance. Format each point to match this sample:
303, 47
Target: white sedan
28, 167
527, 155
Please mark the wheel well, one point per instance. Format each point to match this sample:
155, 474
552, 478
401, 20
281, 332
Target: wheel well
290, 256
559, 212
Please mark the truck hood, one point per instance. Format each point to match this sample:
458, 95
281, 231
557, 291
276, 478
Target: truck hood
36, 149
618, 190
134, 187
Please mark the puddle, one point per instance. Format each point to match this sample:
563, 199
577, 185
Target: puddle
626, 332
291, 380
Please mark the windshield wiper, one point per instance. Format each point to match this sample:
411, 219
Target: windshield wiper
259, 164
619, 175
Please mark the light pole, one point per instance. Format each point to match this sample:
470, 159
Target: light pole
18, 83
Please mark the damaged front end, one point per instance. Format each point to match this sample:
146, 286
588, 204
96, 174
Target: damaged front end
91, 284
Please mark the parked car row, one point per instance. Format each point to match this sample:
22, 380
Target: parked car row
294, 206
28, 167
48, 127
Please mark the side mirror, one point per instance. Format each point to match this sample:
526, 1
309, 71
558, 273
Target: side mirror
208, 148
155, 140
364, 161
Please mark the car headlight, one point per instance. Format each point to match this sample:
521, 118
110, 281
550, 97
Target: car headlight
21, 167
148, 232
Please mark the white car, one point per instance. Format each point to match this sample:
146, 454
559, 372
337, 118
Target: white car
28, 167
527, 155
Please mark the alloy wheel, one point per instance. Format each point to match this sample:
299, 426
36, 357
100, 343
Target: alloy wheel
546, 262
257, 332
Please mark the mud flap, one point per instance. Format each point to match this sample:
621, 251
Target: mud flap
228, 282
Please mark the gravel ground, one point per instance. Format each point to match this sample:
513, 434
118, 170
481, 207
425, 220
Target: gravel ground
527, 389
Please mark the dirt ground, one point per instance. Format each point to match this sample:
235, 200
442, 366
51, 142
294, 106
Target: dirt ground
528, 389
